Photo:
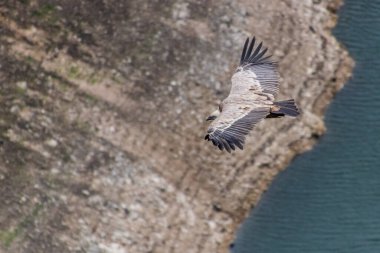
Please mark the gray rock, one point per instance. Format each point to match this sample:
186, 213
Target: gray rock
126, 86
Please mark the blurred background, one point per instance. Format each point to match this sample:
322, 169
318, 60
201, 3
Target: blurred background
102, 118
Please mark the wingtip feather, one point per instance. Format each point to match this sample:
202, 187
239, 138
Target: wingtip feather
248, 57
243, 53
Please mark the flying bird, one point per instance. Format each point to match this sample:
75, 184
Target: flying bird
255, 85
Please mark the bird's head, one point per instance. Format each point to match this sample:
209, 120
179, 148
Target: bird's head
213, 115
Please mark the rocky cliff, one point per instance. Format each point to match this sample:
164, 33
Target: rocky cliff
102, 118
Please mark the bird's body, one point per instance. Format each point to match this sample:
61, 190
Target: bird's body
251, 98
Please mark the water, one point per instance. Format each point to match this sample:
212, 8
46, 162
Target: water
328, 200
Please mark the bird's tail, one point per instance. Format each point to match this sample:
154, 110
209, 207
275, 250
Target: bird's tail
282, 108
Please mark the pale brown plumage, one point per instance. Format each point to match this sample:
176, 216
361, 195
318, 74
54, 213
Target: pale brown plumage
252, 98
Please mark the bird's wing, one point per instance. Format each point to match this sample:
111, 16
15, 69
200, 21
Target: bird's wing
233, 124
256, 72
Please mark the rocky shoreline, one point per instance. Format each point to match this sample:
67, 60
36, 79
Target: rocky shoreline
102, 118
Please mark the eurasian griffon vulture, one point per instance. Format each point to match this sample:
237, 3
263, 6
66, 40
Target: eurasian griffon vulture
252, 98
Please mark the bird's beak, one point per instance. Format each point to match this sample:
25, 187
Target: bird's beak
212, 117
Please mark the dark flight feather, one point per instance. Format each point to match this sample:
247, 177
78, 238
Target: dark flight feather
234, 135
244, 51
249, 58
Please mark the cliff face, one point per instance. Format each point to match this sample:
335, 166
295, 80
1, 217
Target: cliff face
102, 118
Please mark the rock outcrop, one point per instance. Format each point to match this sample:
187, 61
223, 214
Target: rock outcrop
102, 118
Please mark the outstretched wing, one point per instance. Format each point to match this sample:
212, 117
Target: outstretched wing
233, 124
256, 72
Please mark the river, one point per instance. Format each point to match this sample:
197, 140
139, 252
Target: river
328, 199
